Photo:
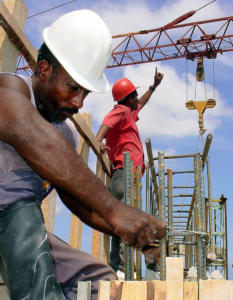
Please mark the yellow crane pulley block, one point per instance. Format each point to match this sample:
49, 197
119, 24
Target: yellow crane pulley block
201, 106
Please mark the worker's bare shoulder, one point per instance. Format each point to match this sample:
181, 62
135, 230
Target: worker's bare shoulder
13, 83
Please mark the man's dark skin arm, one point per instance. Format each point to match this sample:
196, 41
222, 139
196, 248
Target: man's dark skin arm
103, 130
53, 158
87, 216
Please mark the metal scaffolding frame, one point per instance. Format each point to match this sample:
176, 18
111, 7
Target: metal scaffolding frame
192, 229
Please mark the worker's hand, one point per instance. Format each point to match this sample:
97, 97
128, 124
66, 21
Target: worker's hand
103, 147
136, 228
152, 257
157, 78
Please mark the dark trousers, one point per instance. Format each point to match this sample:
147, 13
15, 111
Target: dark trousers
37, 265
117, 248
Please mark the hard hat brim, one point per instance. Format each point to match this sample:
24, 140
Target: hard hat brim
100, 85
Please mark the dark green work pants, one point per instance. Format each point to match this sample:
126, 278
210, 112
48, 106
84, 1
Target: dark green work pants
36, 265
117, 188
25, 262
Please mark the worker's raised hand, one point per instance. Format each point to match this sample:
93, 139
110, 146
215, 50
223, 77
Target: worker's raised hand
137, 228
157, 78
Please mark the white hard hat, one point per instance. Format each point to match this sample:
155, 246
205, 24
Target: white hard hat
82, 43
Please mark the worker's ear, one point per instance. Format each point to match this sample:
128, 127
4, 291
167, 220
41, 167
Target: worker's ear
44, 70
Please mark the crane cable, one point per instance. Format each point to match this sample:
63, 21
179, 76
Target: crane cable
42, 12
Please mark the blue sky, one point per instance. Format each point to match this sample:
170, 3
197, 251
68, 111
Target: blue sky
171, 127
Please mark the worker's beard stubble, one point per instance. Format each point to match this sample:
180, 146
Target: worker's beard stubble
62, 114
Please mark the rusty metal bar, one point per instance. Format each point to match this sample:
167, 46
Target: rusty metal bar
176, 156
128, 201
152, 169
162, 214
138, 206
206, 149
170, 209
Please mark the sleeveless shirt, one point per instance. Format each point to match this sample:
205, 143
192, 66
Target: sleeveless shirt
17, 179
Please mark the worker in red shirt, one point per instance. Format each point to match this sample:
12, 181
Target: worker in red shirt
121, 133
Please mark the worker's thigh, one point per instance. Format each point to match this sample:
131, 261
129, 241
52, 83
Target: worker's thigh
117, 184
26, 265
72, 265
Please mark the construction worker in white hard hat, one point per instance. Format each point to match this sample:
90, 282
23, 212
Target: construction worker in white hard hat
37, 144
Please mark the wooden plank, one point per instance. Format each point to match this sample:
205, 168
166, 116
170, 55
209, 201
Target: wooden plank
106, 248
115, 289
134, 290
106, 241
174, 278
8, 51
84, 290
216, 289
91, 140
159, 290
96, 235
104, 290
17, 36
76, 223
48, 208
190, 290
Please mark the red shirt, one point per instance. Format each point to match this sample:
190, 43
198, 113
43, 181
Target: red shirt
123, 136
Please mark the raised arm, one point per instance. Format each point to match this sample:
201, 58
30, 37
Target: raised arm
157, 80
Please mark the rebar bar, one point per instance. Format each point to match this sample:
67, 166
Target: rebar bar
152, 169
127, 200
162, 214
170, 209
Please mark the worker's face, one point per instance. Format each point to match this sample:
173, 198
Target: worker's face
62, 96
133, 101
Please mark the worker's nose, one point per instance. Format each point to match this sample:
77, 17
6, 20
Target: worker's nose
77, 101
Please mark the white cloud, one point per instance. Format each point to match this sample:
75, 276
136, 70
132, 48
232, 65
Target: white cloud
165, 114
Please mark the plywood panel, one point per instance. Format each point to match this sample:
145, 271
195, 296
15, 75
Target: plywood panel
174, 278
190, 290
215, 290
159, 290
104, 290
134, 290
83, 151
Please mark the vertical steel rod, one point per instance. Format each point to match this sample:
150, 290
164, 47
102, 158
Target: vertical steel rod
170, 209
200, 204
162, 214
210, 206
128, 201
152, 168
138, 206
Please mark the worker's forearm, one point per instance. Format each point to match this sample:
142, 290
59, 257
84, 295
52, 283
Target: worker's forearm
48, 152
87, 216
145, 98
102, 133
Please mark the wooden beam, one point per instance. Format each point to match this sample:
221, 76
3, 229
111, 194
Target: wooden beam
159, 290
17, 36
76, 223
48, 208
91, 140
134, 290
191, 290
104, 290
97, 235
84, 290
174, 278
8, 51
216, 289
